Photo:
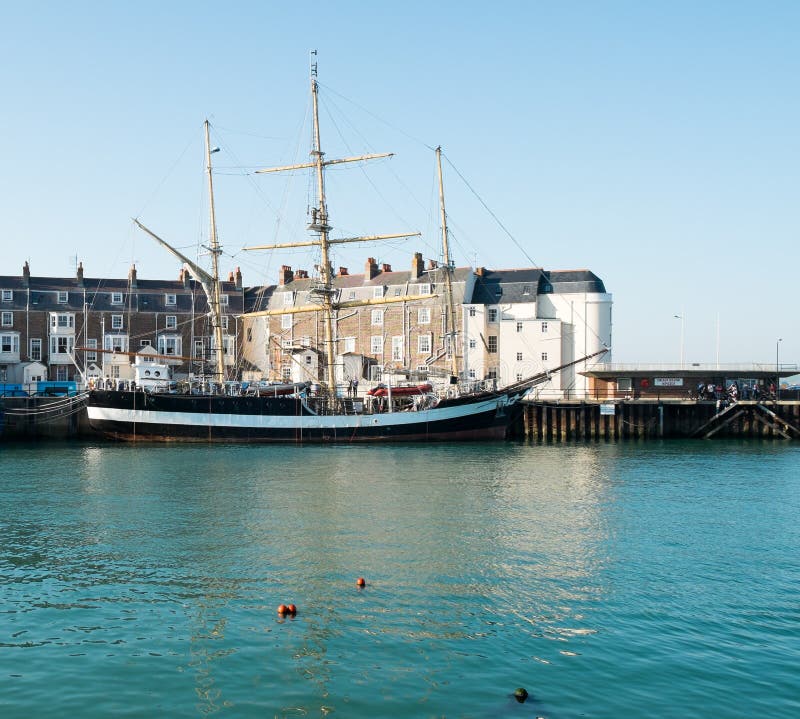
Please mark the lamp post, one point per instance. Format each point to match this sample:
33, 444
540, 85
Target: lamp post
680, 317
777, 369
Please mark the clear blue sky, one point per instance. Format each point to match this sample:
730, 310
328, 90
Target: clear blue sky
654, 143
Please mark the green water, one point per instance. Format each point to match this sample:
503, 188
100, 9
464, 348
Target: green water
609, 580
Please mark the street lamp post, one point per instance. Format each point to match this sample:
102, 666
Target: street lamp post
680, 317
777, 370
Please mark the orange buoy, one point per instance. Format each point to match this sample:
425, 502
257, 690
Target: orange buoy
292, 609
361, 582
282, 609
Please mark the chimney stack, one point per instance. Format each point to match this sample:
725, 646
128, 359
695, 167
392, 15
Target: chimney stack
237, 278
343, 272
432, 264
417, 266
132, 281
370, 269
386, 268
26, 275
79, 275
184, 277
285, 275
480, 271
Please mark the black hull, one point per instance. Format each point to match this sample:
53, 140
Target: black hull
141, 417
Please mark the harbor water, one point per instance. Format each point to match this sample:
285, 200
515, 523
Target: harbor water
608, 579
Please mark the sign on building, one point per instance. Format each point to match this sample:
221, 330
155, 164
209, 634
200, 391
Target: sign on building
668, 381
608, 409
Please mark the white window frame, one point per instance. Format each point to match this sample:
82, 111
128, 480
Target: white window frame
117, 322
116, 342
377, 318
6, 319
62, 321
376, 345
424, 316
91, 356
492, 315
288, 298
378, 291
145, 343
198, 349
12, 340
544, 326
544, 356
286, 322
35, 349
171, 322
519, 326
224, 321
473, 311
116, 298
424, 344
170, 299
398, 348
8, 295
348, 344
61, 345
224, 300
424, 288
473, 344
62, 297
519, 356
170, 345
491, 341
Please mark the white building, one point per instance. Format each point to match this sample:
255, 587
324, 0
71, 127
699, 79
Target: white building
520, 322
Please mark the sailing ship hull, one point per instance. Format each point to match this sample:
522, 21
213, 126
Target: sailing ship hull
138, 416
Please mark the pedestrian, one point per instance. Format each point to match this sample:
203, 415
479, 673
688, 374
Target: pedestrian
355, 387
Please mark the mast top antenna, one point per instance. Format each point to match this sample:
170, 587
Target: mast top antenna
313, 55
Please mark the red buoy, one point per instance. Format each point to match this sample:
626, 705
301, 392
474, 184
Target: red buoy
282, 609
292, 609
361, 582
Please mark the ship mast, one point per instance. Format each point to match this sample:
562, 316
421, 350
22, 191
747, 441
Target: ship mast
450, 317
214, 298
321, 227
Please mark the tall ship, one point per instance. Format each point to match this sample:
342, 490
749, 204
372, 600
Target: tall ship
216, 409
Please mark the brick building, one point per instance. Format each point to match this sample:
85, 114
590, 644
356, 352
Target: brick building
44, 320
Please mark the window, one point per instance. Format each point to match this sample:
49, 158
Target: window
424, 344
424, 289
491, 343
544, 356
397, 291
526, 289
170, 300
377, 317
61, 345
36, 349
116, 322
349, 344
223, 300
8, 295
62, 373
397, 348
472, 311
544, 326
115, 343
473, 344
305, 341
492, 373
519, 356
307, 358
169, 345
286, 344
378, 291
351, 295
424, 315
91, 356
519, 376
62, 298
249, 334
7, 319
376, 373
519, 326
10, 343
471, 374
198, 349
624, 384
288, 298
145, 343
224, 321
286, 322
376, 344
116, 298
286, 373
171, 322
493, 315
62, 321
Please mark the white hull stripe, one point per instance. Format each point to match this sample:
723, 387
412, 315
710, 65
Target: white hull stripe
304, 422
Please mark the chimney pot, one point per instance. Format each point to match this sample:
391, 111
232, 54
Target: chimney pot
342, 271
386, 267
285, 275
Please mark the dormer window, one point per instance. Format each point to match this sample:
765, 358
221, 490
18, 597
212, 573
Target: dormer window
62, 297
526, 289
223, 300
8, 295
170, 300
378, 291
288, 298
424, 289
116, 298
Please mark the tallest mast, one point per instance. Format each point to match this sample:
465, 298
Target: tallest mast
319, 224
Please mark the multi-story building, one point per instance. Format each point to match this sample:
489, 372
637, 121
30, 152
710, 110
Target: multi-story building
521, 322
69, 326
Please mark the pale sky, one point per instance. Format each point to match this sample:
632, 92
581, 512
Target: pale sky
653, 143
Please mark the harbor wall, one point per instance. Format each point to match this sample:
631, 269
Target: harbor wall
569, 421
43, 418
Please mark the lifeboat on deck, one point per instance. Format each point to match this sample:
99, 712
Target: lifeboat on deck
400, 391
